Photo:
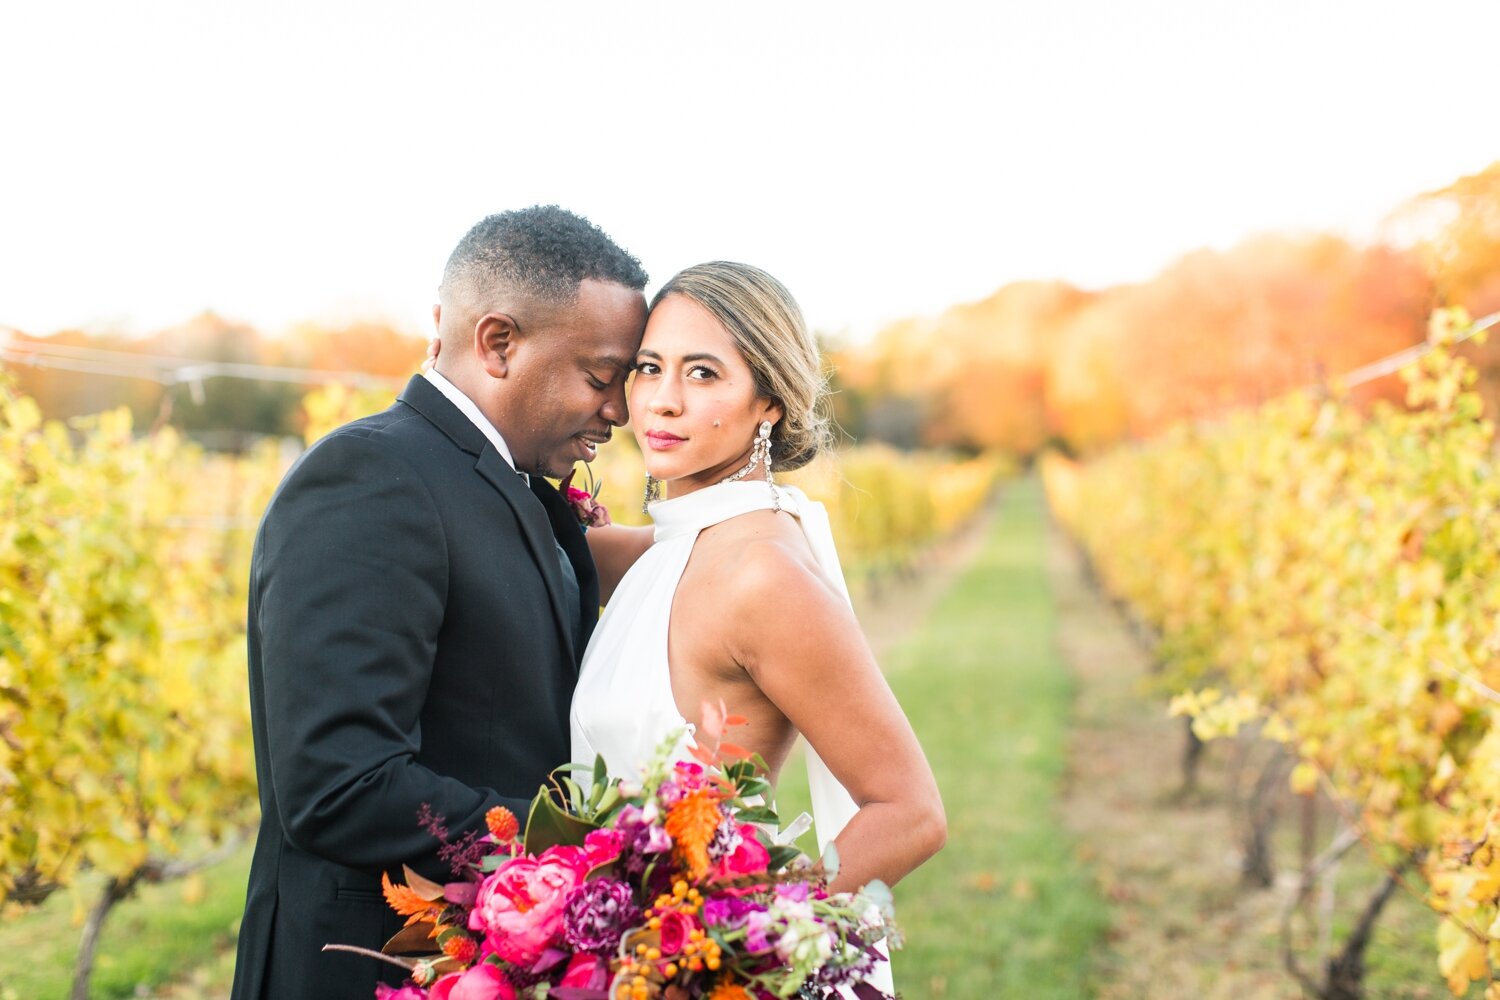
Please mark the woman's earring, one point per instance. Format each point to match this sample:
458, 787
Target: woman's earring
653, 493
763, 451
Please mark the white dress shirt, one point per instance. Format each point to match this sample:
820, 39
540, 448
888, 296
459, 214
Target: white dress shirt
471, 410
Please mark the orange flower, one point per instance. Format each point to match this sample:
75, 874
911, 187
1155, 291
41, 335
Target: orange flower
406, 902
502, 823
692, 823
726, 990
461, 949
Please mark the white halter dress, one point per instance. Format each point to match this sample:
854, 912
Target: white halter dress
623, 706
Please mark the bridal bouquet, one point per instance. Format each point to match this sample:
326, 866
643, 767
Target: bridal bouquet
666, 887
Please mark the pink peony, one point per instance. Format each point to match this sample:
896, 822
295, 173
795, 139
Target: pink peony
483, 982
520, 906
586, 972
750, 857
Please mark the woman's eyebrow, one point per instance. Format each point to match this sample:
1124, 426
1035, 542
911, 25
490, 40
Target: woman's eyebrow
702, 356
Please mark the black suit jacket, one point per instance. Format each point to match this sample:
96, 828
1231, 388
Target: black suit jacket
407, 646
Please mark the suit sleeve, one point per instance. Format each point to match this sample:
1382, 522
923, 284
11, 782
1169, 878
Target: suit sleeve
350, 585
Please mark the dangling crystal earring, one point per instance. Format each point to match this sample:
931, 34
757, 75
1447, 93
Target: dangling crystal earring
760, 452
764, 444
653, 493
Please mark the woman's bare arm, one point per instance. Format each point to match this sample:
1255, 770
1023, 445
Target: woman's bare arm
801, 644
615, 548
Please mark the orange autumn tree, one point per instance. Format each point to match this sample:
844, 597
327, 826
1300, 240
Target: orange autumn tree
1455, 232
1219, 330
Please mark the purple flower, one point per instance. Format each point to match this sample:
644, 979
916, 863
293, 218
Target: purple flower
597, 915
792, 892
642, 836
727, 839
850, 964
729, 912
758, 926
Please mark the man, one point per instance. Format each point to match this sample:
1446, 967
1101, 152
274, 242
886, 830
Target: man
420, 599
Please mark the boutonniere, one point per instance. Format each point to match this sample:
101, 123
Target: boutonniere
589, 511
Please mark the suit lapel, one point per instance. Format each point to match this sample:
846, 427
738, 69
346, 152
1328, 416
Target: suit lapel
425, 398
534, 528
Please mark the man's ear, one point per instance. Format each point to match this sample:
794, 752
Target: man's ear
495, 337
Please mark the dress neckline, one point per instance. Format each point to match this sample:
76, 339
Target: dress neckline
691, 513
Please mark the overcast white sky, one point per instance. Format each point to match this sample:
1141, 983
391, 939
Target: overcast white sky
286, 161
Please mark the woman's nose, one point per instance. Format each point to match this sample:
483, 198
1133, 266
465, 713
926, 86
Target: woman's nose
665, 400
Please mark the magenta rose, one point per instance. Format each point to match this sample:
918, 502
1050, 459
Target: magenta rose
676, 927
589, 511
483, 982
520, 906
603, 846
749, 856
586, 972
409, 991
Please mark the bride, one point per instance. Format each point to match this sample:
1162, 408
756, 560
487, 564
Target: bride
736, 595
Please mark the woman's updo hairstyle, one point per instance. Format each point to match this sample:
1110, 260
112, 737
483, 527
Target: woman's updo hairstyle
768, 328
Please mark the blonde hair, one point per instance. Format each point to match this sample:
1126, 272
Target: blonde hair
768, 328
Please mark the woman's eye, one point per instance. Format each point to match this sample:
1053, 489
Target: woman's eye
701, 373
645, 368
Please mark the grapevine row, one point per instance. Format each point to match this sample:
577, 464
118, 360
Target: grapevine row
1334, 578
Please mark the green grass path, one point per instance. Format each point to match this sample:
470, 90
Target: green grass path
1005, 910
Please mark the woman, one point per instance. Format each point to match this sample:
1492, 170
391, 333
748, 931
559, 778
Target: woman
741, 598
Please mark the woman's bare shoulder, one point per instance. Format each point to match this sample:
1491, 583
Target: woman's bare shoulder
761, 565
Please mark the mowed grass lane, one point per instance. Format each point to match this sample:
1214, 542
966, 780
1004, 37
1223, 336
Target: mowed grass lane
1006, 909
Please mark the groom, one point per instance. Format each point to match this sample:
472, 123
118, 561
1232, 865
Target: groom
420, 598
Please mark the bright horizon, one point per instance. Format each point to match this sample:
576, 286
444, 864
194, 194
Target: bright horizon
317, 163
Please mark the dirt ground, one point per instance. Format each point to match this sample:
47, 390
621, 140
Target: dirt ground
1170, 864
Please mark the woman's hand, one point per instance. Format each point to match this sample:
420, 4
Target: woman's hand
433, 347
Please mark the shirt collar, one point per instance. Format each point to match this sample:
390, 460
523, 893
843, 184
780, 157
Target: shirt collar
468, 408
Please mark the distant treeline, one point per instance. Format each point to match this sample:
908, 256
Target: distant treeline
224, 413
1036, 363
1044, 362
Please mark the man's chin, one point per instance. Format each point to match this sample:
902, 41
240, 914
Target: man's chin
556, 466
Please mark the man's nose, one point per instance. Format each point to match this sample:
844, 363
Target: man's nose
615, 410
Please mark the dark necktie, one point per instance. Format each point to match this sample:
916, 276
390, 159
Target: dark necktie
571, 599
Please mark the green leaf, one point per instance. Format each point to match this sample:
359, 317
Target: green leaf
606, 804
549, 825
758, 814
781, 856
754, 786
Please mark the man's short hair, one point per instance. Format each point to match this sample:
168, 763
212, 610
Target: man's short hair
542, 253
